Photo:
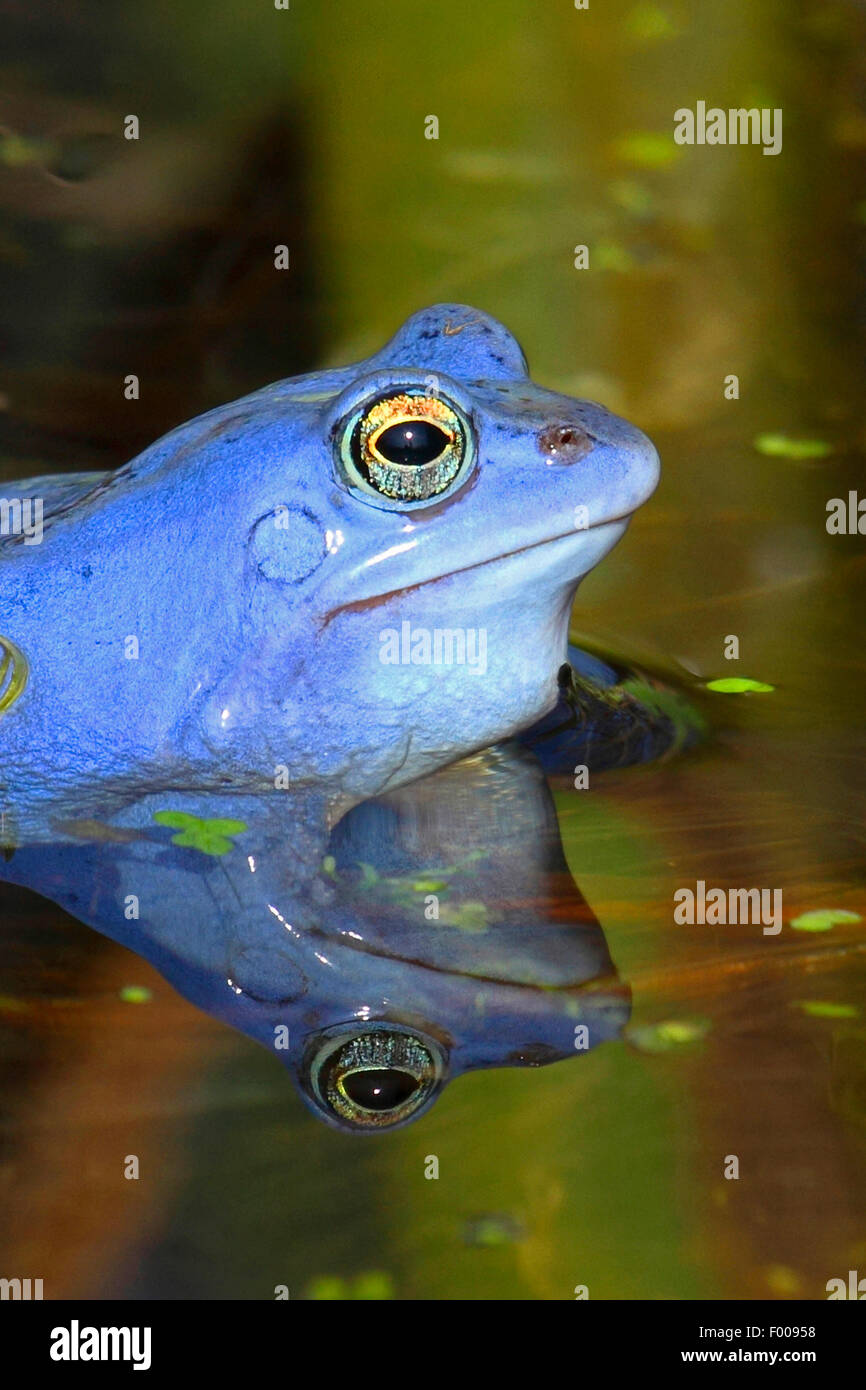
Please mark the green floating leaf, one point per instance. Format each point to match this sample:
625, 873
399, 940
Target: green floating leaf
823, 1008
647, 149
135, 994
491, 1230
369, 876
668, 1036
784, 447
612, 255
374, 1284
327, 1287
469, 916
646, 22
738, 685
823, 918
209, 836
17, 151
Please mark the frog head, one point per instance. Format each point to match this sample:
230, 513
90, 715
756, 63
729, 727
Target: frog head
417, 530
347, 580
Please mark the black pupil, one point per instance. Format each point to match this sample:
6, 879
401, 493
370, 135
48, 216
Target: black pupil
411, 442
379, 1089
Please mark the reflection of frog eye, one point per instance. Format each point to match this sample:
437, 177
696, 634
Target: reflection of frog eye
375, 1079
410, 446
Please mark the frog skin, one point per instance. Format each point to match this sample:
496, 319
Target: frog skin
192, 694
213, 611
452, 939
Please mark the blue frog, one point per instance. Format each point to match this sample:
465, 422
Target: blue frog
300, 601
442, 934
225, 605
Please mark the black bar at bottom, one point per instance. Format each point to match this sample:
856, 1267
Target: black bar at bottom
84, 1338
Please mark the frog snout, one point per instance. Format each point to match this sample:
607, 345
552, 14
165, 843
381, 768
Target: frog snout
588, 435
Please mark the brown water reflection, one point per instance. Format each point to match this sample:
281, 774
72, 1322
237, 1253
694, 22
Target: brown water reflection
720, 261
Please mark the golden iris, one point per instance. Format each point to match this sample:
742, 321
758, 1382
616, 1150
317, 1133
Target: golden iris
409, 447
13, 673
374, 1079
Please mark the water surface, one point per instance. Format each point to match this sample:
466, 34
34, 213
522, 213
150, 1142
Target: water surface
608, 1171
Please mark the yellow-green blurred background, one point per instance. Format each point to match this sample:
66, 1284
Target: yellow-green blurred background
306, 127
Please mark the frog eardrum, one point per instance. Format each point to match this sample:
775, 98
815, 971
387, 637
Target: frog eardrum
406, 445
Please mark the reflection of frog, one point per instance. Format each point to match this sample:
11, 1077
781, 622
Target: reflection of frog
450, 938
263, 588
305, 599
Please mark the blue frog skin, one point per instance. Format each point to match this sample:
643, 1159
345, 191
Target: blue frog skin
300, 601
445, 935
214, 610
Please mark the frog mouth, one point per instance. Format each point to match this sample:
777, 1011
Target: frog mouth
363, 605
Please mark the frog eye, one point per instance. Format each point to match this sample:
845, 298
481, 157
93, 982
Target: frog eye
375, 1079
408, 446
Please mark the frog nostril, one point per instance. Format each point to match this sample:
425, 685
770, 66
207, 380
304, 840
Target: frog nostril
564, 444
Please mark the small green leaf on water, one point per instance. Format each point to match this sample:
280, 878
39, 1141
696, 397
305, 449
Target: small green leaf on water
209, 836
647, 149
646, 22
783, 446
492, 1229
682, 1030
611, 255
327, 1286
668, 1036
329, 866
17, 151
374, 1284
823, 1008
469, 916
822, 919
135, 994
738, 685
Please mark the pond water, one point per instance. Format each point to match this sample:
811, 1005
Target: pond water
153, 257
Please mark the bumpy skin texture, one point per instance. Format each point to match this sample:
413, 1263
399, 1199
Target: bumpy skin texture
257, 584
